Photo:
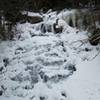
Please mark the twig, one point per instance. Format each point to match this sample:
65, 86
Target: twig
95, 56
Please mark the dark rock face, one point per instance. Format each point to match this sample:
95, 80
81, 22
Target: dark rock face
30, 19
46, 28
51, 28
87, 49
57, 29
72, 68
64, 94
1, 69
42, 98
6, 61
1, 92
34, 19
43, 28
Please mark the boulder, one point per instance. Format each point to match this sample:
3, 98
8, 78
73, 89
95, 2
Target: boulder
34, 19
1, 92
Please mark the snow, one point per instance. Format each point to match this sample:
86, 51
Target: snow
85, 83
31, 13
41, 66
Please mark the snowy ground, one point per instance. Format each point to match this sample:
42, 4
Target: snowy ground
85, 83
41, 66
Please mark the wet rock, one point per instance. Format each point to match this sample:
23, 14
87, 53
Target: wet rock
41, 74
18, 50
42, 98
87, 49
46, 28
1, 92
27, 87
43, 28
6, 61
64, 94
57, 29
46, 78
34, 19
1, 69
72, 67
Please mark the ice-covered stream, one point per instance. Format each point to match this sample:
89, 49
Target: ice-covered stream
38, 65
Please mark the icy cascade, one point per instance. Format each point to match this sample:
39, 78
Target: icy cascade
83, 19
30, 66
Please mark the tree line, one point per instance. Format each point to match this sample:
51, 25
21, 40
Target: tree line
10, 10
12, 7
